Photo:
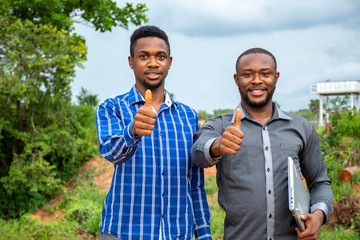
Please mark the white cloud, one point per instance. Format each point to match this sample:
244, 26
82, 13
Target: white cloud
312, 40
233, 17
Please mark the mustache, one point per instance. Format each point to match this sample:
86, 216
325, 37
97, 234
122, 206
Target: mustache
152, 72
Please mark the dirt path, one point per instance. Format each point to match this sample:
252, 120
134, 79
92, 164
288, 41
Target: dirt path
102, 171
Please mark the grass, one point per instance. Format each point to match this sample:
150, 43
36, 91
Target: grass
82, 205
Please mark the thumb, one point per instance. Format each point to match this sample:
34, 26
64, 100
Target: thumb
237, 118
148, 98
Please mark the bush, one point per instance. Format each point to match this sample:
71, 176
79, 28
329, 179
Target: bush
48, 159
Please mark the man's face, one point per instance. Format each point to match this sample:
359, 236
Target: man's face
256, 78
151, 62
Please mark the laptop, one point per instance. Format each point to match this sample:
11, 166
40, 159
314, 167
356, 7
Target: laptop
299, 201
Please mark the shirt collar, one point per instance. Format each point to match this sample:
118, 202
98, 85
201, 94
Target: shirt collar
135, 97
278, 114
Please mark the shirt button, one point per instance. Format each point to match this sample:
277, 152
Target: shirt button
270, 216
269, 191
264, 128
266, 148
268, 169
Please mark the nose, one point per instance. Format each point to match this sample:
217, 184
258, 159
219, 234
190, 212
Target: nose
153, 62
257, 79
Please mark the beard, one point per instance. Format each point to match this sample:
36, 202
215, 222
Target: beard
257, 104
152, 86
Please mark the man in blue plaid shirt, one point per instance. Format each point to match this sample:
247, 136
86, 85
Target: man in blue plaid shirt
156, 192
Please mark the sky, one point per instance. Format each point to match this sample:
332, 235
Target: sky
312, 40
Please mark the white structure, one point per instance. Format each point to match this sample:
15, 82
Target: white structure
337, 88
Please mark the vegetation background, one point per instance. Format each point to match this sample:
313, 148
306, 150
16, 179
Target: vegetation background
49, 189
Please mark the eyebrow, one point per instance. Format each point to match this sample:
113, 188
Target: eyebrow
147, 52
262, 69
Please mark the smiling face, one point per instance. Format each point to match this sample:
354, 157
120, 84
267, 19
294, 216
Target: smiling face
151, 63
256, 78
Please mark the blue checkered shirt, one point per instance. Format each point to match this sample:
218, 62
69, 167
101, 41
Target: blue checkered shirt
154, 181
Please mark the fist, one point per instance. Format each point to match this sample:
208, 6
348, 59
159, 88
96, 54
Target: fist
230, 141
144, 121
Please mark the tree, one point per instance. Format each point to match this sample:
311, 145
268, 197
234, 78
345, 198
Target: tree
314, 106
101, 14
86, 98
43, 137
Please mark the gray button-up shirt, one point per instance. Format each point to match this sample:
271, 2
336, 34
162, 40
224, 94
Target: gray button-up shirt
253, 184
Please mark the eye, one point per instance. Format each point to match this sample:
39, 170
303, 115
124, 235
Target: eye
266, 74
161, 57
143, 56
247, 75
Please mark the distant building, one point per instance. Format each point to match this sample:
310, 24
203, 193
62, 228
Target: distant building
336, 88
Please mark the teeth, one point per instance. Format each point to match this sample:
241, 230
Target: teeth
257, 91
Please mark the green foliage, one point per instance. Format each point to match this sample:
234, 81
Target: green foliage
355, 223
86, 212
85, 97
210, 186
217, 213
81, 209
26, 228
203, 115
339, 233
305, 113
314, 106
43, 137
102, 14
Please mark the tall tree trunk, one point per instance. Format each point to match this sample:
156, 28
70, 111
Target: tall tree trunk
4, 163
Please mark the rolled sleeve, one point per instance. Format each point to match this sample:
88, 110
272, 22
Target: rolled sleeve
323, 207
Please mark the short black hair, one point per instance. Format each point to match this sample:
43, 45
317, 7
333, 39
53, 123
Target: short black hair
147, 31
255, 50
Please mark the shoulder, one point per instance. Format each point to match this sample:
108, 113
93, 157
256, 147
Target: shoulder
300, 122
187, 109
219, 123
115, 101
226, 118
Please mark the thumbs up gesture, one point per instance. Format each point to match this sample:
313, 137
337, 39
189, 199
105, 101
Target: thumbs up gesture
231, 139
144, 121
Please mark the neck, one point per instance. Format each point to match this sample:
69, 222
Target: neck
262, 114
158, 96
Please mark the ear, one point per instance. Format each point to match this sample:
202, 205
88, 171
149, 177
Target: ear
277, 75
170, 61
131, 62
236, 79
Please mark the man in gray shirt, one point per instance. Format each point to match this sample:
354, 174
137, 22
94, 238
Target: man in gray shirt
251, 159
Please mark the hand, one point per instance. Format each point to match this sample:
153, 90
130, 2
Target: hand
144, 121
231, 139
313, 223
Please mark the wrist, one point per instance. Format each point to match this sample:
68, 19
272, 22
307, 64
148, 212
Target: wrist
215, 148
133, 130
320, 214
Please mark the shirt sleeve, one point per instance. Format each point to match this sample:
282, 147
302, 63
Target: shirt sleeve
314, 169
202, 215
200, 151
117, 142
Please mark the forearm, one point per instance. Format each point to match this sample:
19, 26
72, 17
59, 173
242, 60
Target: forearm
321, 199
200, 153
117, 145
